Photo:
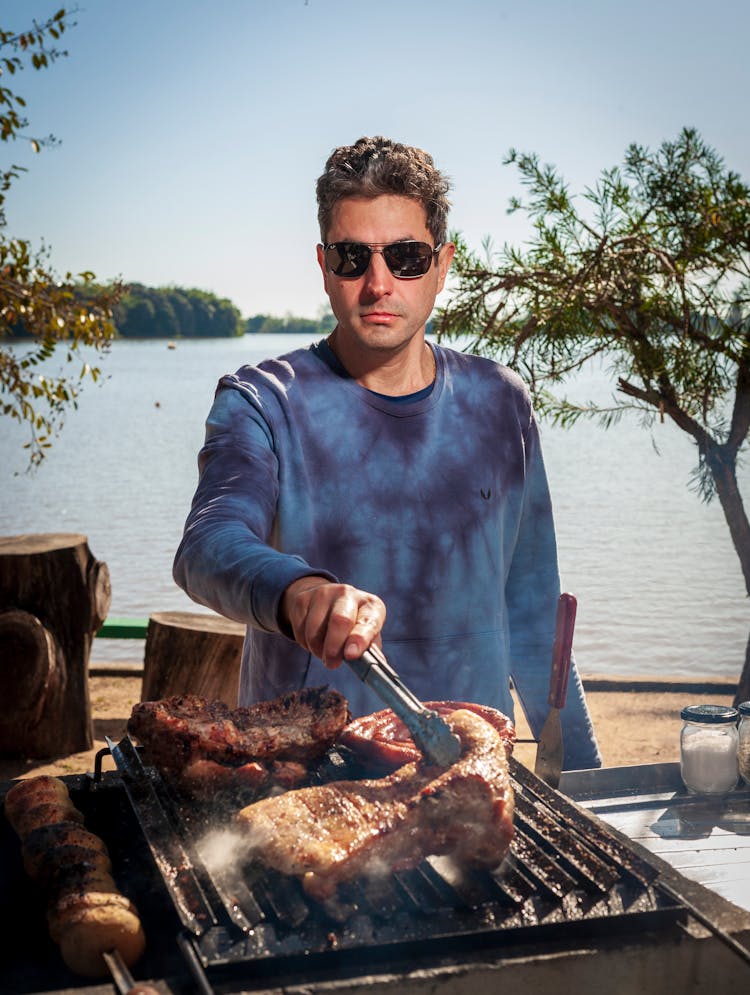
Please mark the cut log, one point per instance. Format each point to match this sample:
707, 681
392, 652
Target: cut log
54, 596
192, 653
30, 674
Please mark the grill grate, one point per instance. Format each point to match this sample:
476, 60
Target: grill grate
565, 874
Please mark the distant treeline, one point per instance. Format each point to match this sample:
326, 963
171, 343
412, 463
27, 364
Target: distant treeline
175, 313
264, 324
178, 313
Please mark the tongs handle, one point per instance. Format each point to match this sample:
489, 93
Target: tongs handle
430, 732
373, 669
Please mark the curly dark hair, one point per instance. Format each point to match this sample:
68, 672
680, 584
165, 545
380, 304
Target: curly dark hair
375, 166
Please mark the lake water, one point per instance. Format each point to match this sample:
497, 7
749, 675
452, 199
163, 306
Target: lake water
658, 583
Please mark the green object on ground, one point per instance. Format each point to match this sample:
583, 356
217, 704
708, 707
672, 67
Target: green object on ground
123, 628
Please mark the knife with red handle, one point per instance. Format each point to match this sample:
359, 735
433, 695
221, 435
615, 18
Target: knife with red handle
549, 753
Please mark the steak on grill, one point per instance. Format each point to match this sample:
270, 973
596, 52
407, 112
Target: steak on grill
383, 741
340, 831
205, 745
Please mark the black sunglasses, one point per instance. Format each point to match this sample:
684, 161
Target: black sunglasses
406, 260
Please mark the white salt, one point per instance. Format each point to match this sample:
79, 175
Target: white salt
708, 763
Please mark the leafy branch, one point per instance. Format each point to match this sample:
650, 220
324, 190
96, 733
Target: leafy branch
35, 304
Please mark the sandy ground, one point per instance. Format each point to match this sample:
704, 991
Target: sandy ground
633, 727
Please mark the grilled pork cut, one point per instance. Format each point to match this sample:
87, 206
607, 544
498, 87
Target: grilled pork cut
205, 744
344, 830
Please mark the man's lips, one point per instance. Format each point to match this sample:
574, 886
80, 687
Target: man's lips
376, 316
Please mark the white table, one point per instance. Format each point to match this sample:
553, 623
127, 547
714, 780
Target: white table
704, 837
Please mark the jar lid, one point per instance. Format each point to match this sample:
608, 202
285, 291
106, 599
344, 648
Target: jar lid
744, 708
711, 714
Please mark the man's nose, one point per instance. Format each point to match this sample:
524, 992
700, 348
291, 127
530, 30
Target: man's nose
378, 278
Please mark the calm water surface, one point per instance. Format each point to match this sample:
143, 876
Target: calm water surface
657, 580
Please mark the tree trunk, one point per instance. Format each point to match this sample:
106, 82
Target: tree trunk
54, 596
723, 470
192, 653
743, 688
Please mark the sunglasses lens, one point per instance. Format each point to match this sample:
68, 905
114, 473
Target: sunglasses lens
348, 259
406, 260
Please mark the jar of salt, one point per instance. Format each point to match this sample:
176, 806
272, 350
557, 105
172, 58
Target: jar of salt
743, 734
709, 748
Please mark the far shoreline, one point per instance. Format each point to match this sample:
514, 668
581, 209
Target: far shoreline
614, 683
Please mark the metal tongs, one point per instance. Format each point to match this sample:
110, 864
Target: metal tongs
430, 731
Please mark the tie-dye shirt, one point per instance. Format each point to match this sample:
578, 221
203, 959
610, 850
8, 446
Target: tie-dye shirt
439, 505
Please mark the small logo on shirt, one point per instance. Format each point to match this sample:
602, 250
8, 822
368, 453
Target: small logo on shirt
486, 494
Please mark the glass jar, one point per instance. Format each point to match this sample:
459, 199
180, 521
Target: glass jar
708, 748
743, 734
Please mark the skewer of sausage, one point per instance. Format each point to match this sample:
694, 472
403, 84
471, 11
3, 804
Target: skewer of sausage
87, 915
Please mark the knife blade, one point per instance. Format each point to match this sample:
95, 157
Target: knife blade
549, 753
430, 732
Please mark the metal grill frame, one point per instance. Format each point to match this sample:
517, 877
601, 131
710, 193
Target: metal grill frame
567, 876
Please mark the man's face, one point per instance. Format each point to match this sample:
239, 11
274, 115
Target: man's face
377, 311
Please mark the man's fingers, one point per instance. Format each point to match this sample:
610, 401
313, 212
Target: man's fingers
303, 614
343, 621
312, 621
365, 631
331, 620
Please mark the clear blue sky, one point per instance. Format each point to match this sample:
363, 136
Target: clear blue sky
192, 132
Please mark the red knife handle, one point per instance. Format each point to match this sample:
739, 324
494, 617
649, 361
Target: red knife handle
561, 650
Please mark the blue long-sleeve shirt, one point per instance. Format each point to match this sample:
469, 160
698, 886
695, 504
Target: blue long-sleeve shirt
439, 505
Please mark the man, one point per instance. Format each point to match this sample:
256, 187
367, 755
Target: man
375, 469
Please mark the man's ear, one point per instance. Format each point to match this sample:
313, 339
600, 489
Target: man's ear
445, 258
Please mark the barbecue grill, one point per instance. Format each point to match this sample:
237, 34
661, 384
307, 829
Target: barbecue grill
570, 887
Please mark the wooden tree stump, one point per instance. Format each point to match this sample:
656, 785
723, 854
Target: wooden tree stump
54, 597
192, 653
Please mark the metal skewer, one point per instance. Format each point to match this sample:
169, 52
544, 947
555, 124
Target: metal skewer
122, 978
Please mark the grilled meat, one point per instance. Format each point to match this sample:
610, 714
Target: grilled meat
39, 801
205, 745
382, 740
40, 790
72, 904
58, 862
82, 878
205, 777
58, 843
86, 912
343, 830
85, 932
45, 815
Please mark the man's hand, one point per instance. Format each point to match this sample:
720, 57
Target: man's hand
332, 621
